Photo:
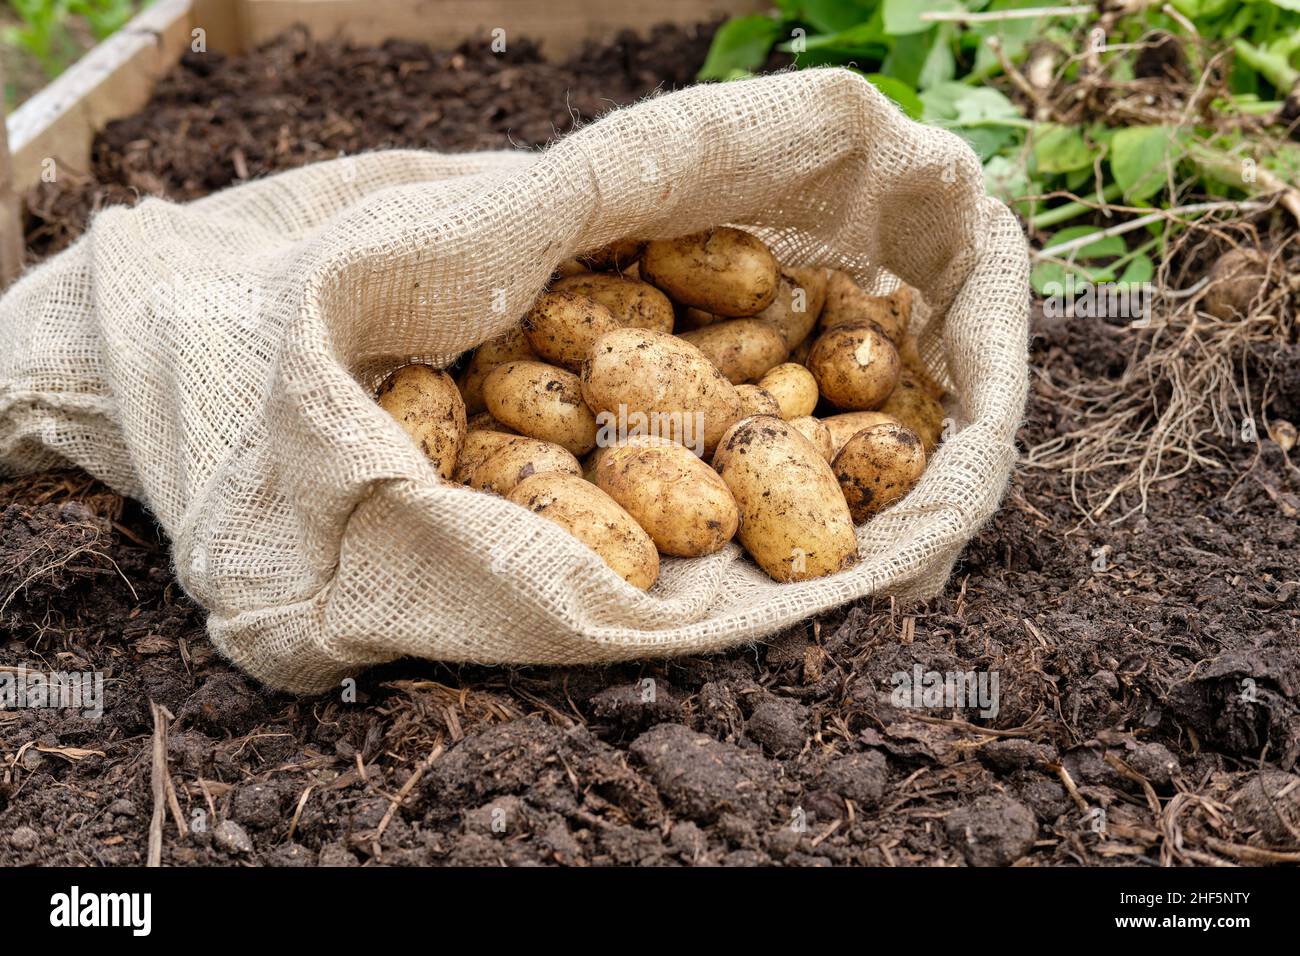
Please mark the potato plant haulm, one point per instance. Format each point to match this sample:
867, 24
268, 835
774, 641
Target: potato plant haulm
669, 397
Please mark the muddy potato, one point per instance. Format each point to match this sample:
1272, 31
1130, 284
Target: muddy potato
516, 459
878, 466
848, 304
562, 326
541, 401
1237, 280
569, 267
484, 422
799, 355
856, 366
910, 357
688, 319
680, 501
510, 346
593, 458
635, 304
793, 518
843, 427
815, 430
428, 406
757, 401
793, 387
912, 405
478, 445
615, 257
595, 519
659, 375
724, 271
744, 349
800, 297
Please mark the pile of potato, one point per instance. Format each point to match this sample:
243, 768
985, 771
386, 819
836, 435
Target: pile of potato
779, 405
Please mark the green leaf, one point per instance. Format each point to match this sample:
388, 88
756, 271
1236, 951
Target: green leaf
1006, 180
1140, 270
904, 16
868, 33
1140, 157
741, 43
1201, 9
899, 92
833, 16
987, 141
1078, 179
956, 104
1103, 248
1045, 274
940, 65
907, 57
1284, 160
1060, 149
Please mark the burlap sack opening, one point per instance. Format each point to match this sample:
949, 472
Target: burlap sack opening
215, 360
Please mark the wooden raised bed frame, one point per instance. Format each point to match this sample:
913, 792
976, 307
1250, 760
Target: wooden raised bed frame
116, 78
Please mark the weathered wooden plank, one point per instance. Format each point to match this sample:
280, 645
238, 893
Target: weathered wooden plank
11, 223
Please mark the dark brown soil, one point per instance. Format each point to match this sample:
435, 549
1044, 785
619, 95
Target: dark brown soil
1158, 680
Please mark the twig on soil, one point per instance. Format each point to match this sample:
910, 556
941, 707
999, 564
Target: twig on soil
297, 812
1027, 730
159, 783
1251, 854
406, 788
1068, 782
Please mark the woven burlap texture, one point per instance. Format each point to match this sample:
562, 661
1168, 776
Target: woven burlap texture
216, 360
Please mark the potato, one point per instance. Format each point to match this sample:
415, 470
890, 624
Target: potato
743, 349
815, 430
757, 401
541, 401
793, 387
680, 501
793, 518
723, 270
428, 406
635, 304
595, 519
856, 366
878, 466
688, 320
478, 445
800, 296
514, 460
915, 408
510, 346
594, 457
843, 427
847, 304
1238, 280
484, 422
799, 354
615, 257
569, 267
682, 393
911, 359
562, 326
